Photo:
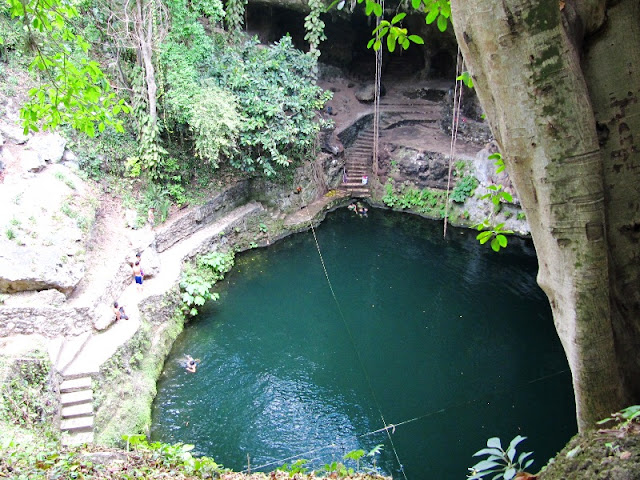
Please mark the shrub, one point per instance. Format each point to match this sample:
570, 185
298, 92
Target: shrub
464, 188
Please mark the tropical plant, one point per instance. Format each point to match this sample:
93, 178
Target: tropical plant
216, 124
495, 233
278, 98
295, 468
624, 417
502, 464
314, 27
197, 280
464, 188
73, 89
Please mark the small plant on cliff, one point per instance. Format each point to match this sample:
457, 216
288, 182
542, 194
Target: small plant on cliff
295, 468
197, 280
464, 188
501, 463
26, 398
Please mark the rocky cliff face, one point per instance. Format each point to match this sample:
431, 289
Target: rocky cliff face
47, 212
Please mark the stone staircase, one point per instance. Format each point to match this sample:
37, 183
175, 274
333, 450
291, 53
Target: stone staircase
394, 112
76, 398
358, 164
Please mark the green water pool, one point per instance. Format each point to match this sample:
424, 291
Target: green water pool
444, 338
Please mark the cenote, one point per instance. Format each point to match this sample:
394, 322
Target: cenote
446, 339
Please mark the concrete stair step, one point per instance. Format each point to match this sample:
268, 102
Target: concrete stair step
74, 398
79, 410
75, 384
77, 424
70, 439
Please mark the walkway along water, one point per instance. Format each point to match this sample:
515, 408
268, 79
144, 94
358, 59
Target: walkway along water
79, 359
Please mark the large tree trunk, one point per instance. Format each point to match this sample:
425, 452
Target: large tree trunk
551, 76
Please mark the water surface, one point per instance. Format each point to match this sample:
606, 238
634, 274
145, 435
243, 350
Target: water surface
446, 339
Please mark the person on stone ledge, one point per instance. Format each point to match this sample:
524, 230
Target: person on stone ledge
116, 311
137, 275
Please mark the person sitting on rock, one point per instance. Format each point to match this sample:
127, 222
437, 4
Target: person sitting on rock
117, 311
123, 315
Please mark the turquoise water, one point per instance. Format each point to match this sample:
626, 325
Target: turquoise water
445, 335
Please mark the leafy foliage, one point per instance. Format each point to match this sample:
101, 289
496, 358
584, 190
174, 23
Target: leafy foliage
499, 162
279, 99
296, 467
497, 195
466, 78
428, 201
438, 11
74, 90
464, 188
314, 26
197, 280
26, 397
216, 123
495, 233
43, 461
235, 15
500, 462
395, 34
625, 417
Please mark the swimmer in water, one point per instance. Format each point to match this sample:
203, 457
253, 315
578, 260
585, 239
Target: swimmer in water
190, 364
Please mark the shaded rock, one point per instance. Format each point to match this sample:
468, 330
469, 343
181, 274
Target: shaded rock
423, 169
49, 146
13, 133
44, 298
202, 216
31, 161
70, 159
131, 218
366, 93
332, 144
26, 269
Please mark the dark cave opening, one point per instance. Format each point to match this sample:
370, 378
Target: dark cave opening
347, 39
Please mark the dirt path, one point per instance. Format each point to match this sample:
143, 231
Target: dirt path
110, 240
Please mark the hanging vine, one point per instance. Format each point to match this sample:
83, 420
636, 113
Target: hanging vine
234, 18
314, 26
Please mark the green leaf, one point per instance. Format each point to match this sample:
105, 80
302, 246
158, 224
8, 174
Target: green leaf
377, 9
431, 16
488, 451
494, 442
397, 18
416, 4
495, 245
416, 39
485, 465
442, 23
391, 42
510, 473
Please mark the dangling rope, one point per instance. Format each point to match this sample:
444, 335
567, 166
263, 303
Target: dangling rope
387, 427
457, 97
376, 97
